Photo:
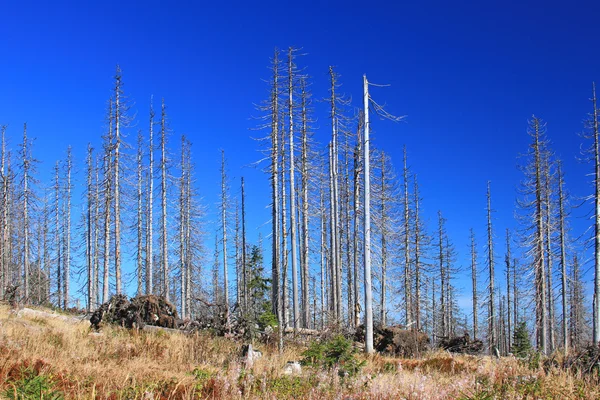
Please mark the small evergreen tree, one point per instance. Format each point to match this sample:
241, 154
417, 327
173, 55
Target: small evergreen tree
521, 343
259, 312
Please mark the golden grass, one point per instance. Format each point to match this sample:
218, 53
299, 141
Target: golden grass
121, 364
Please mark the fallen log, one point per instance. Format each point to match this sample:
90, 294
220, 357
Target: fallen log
302, 331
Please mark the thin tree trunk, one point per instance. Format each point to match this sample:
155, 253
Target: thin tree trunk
417, 299
596, 301
508, 301
67, 268
88, 236
384, 255
117, 170
276, 298
304, 230
139, 217
150, 218
356, 230
296, 304
490, 249
563, 259
367, 229
224, 228
163, 192
244, 273
407, 275
26, 166
474, 280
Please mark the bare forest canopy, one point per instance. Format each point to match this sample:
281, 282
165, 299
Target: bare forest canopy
140, 203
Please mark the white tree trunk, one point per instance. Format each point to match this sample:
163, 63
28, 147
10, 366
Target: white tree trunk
367, 228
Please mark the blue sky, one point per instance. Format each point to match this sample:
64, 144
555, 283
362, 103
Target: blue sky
467, 75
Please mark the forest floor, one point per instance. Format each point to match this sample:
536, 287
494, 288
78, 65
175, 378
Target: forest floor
56, 358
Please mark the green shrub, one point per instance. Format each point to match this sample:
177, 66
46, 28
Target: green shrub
337, 352
202, 376
31, 385
290, 386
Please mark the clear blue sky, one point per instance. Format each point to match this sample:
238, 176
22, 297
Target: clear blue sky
467, 75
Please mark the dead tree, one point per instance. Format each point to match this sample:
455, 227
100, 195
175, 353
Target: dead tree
67, 233
163, 202
150, 217
492, 334
474, 280
224, 206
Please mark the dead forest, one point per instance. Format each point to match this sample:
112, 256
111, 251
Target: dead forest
348, 248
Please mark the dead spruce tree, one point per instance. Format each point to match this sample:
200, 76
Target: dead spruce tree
367, 210
591, 125
150, 206
224, 227
492, 332
532, 220
474, 285
164, 233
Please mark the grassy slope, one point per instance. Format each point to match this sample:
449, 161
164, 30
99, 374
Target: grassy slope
64, 360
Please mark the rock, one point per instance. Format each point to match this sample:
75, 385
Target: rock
249, 355
292, 368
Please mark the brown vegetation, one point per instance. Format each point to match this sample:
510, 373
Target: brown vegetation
74, 362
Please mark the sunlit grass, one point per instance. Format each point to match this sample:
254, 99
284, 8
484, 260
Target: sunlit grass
52, 358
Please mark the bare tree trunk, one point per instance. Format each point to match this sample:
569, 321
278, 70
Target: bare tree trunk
474, 280
139, 217
67, 268
224, 228
540, 279
296, 305
26, 198
367, 203
336, 250
492, 339
323, 252
57, 237
596, 301
356, 230
215, 273
442, 276
549, 256
276, 298
384, 233
563, 259
150, 218
508, 303
117, 170
417, 231
188, 228
332, 241
406, 221
304, 230
88, 230
163, 193
244, 273
97, 224
182, 261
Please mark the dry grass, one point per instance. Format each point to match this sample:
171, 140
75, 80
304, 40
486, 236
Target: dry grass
121, 364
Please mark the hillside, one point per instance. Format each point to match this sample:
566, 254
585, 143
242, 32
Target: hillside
53, 358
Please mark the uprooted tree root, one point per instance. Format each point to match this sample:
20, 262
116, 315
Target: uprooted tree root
140, 311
